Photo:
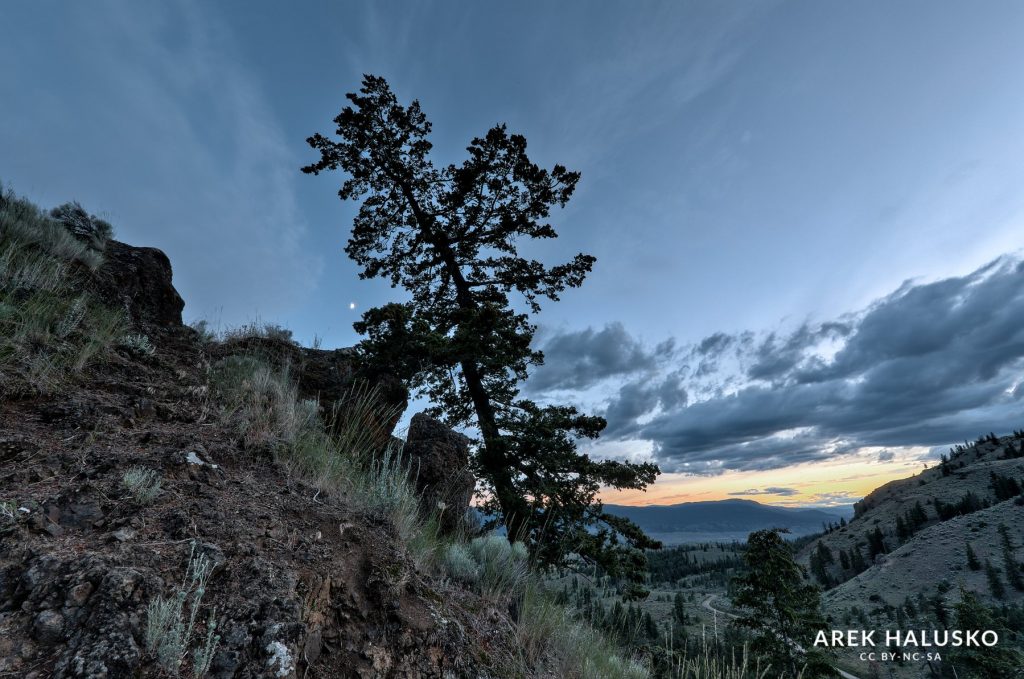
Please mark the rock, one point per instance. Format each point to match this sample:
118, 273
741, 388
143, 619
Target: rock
138, 280
48, 627
326, 376
13, 447
312, 647
215, 555
280, 660
80, 515
439, 457
79, 594
103, 643
123, 534
54, 530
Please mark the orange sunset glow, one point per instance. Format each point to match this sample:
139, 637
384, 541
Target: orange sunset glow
837, 482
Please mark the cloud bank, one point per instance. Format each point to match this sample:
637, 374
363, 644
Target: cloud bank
927, 365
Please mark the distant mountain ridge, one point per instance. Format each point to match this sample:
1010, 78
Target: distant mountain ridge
730, 519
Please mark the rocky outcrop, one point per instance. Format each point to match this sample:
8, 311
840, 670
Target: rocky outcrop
439, 457
328, 376
138, 280
88, 608
304, 583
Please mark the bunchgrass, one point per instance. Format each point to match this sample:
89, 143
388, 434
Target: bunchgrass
348, 451
49, 329
551, 636
709, 665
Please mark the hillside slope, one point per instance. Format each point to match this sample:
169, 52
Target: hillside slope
934, 539
914, 537
301, 582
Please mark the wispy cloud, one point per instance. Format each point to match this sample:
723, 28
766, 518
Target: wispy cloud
771, 490
168, 132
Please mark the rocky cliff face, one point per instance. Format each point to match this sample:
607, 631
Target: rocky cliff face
301, 583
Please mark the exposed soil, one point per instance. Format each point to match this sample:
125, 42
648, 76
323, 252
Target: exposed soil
305, 584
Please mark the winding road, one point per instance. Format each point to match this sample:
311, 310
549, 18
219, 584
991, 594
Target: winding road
707, 604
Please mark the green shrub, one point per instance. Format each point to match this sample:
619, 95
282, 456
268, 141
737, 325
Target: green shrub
503, 566
461, 565
206, 334
258, 328
93, 232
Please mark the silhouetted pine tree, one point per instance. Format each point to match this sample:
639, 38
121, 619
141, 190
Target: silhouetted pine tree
450, 236
1010, 565
857, 560
876, 543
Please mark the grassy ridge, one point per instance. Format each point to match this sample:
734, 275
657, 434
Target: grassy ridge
49, 327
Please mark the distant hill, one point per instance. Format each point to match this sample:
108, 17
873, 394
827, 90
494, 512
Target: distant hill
905, 553
721, 520
961, 500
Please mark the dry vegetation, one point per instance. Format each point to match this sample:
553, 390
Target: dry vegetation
49, 327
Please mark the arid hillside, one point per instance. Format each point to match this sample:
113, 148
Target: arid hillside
173, 502
917, 546
926, 522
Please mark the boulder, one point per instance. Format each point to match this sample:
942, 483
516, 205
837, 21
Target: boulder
439, 459
138, 280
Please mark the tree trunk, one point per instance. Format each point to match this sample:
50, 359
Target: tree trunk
494, 462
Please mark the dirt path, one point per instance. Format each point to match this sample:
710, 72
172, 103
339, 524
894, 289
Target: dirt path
707, 604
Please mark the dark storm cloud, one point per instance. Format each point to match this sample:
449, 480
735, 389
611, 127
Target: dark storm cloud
580, 359
770, 490
778, 356
926, 365
640, 397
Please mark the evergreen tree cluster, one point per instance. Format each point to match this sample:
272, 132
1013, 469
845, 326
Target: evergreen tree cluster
967, 504
670, 565
1011, 566
1013, 451
1004, 487
876, 543
911, 521
821, 559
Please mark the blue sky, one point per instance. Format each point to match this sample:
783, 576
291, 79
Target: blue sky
750, 170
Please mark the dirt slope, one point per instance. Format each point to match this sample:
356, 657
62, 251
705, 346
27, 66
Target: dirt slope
304, 584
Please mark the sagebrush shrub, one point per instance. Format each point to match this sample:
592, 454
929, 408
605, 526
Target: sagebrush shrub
170, 622
143, 484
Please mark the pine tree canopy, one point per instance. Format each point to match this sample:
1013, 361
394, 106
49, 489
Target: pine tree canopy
450, 236
782, 609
